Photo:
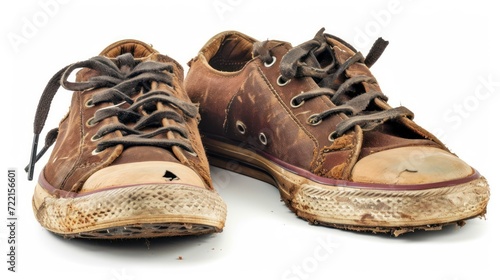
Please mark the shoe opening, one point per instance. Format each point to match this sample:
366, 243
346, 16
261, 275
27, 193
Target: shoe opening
230, 52
137, 48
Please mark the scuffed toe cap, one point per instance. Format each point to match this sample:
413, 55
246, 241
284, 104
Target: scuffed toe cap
140, 173
410, 166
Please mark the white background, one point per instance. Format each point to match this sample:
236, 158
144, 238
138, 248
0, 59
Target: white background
441, 55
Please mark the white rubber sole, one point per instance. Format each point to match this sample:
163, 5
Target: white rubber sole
360, 209
140, 211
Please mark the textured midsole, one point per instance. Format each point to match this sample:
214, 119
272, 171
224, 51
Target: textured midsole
364, 207
127, 206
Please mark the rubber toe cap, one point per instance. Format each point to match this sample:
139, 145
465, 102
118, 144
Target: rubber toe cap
410, 166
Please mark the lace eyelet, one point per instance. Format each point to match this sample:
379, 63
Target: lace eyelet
263, 138
281, 82
294, 104
271, 63
89, 103
96, 152
95, 138
193, 153
331, 136
313, 120
91, 122
241, 127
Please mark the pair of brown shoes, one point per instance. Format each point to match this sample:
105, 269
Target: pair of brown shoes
128, 159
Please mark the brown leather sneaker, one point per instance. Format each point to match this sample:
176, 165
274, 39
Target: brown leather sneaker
128, 160
312, 121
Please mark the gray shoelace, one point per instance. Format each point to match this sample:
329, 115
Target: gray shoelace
144, 113
308, 59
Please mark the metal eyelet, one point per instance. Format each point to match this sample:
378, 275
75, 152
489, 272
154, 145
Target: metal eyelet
313, 120
271, 63
91, 122
95, 138
193, 153
282, 82
263, 138
330, 137
89, 103
294, 104
241, 127
96, 152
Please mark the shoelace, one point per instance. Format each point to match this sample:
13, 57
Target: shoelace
304, 61
147, 112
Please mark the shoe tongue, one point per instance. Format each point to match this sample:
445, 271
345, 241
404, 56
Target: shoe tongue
137, 48
342, 53
263, 47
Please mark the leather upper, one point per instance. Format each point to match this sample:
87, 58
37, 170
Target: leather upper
243, 102
74, 160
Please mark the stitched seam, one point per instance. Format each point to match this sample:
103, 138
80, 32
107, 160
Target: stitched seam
354, 154
78, 163
226, 113
75, 165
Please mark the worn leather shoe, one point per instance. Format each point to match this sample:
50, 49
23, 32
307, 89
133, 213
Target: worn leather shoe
128, 161
312, 121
